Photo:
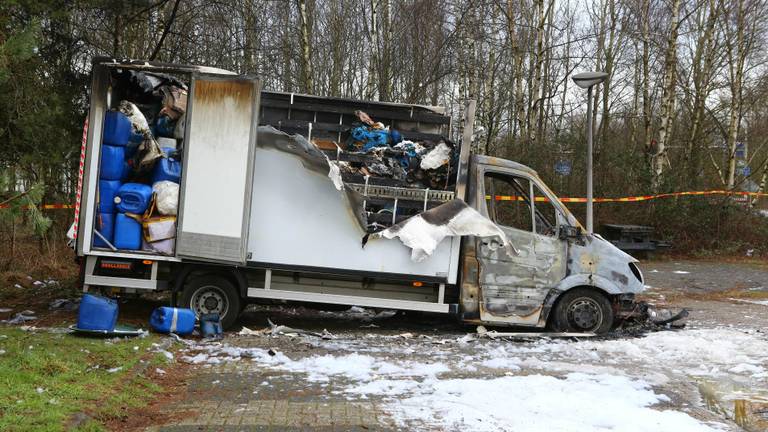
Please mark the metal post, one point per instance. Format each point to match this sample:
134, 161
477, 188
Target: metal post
587, 80
590, 227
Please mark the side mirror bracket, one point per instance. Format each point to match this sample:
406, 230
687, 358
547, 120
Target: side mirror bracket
569, 232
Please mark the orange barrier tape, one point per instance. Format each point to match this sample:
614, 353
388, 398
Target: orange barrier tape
47, 206
544, 199
636, 198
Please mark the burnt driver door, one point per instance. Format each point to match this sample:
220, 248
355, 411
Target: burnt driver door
513, 285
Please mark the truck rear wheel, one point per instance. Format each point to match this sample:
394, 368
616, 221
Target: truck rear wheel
583, 310
213, 294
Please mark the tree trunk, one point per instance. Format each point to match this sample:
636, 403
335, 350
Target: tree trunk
703, 60
668, 98
647, 119
307, 86
736, 66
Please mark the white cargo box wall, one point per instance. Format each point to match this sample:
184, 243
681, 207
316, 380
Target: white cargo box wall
299, 220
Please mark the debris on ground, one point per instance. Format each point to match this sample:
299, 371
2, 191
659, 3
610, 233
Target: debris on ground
651, 317
21, 317
245, 331
64, 304
275, 329
359, 313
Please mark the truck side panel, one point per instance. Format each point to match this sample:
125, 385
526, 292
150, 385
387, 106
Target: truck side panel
300, 219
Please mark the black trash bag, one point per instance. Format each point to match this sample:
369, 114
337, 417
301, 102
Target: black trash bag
143, 87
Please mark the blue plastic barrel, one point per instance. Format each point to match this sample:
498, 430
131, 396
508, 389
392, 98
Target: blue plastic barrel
97, 313
165, 126
105, 224
167, 168
133, 198
127, 233
173, 320
112, 162
117, 129
107, 191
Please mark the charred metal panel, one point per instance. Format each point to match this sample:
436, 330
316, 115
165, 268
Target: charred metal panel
593, 261
512, 288
470, 276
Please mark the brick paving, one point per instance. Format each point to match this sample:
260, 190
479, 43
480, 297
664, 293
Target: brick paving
236, 397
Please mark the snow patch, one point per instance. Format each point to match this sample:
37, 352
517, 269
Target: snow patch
537, 402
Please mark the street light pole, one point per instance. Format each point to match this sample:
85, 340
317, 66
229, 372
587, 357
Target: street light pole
590, 199
588, 80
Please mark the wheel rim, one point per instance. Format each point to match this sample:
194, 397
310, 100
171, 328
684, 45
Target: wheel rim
585, 314
209, 299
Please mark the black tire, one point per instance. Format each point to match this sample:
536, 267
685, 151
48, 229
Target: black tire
213, 294
583, 310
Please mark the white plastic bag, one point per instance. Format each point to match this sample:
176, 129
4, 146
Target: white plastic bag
166, 197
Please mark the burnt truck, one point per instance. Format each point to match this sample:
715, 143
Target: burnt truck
274, 204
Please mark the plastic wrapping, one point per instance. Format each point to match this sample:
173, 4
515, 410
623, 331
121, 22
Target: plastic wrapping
159, 235
148, 151
161, 228
163, 247
166, 197
174, 101
167, 143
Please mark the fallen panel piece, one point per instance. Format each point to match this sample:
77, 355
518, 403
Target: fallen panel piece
492, 334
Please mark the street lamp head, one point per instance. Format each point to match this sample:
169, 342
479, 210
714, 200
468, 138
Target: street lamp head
588, 79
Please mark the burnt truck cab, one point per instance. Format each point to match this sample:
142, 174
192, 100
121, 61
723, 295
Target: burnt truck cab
555, 272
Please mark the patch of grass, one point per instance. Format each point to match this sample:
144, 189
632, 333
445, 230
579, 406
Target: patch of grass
45, 378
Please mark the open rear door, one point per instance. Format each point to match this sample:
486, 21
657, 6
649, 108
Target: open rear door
220, 140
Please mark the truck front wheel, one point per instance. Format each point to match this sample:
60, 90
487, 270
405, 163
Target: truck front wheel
583, 310
212, 294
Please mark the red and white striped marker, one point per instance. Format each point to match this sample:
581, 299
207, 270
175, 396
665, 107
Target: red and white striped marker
80, 172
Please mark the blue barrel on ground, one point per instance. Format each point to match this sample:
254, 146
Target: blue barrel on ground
97, 313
